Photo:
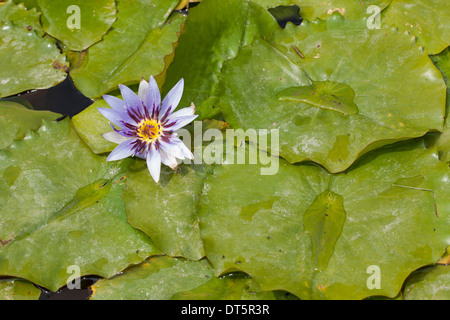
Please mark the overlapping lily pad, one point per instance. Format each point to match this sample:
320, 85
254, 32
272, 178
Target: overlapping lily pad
432, 283
16, 120
77, 24
134, 47
442, 62
229, 287
29, 61
398, 223
61, 207
167, 211
206, 43
427, 20
333, 125
17, 289
91, 124
163, 278
158, 278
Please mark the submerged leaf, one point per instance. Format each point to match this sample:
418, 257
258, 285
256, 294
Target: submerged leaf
16, 120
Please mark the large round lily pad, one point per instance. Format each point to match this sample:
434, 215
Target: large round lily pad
394, 201
331, 106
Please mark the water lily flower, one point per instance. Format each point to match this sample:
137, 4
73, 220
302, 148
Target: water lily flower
147, 126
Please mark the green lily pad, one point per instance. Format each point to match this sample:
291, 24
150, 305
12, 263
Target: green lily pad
427, 20
166, 211
206, 43
90, 125
134, 47
229, 287
16, 120
442, 62
432, 283
62, 207
77, 24
29, 61
254, 85
17, 289
396, 207
29, 4
158, 278
21, 16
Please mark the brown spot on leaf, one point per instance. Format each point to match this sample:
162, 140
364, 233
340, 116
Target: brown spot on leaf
59, 66
4, 243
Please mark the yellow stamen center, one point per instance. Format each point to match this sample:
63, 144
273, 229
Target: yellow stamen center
149, 130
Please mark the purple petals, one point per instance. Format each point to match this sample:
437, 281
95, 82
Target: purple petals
178, 123
153, 97
123, 150
115, 103
147, 125
132, 101
115, 116
172, 99
189, 111
154, 162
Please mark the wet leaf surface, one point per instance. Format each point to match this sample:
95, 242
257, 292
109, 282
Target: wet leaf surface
63, 194
251, 85
427, 20
29, 61
399, 222
134, 47
77, 24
